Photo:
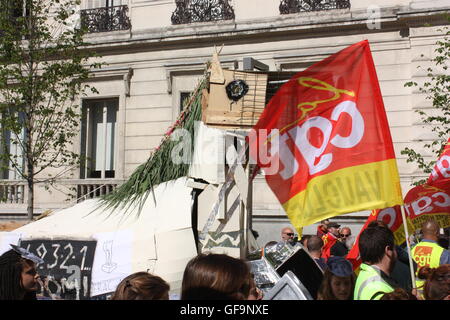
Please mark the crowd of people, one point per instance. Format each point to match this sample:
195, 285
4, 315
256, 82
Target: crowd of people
381, 275
384, 273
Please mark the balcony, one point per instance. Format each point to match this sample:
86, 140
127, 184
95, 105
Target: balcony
12, 191
105, 19
93, 188
190, 11
296, 6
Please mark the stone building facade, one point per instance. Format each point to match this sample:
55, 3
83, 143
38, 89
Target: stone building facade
156, 51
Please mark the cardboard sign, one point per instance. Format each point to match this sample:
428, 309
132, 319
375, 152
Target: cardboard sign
67, 267
305, 269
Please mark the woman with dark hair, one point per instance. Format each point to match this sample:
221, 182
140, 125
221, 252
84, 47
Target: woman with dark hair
216, 277
142, 286
338, 280
18, 276
437, 284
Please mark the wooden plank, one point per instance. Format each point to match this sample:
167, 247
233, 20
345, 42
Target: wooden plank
205, 98
244, 112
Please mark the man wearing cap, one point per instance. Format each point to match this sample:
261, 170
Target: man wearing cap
333, 247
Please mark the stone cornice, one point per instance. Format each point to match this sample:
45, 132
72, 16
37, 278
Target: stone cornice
326, 23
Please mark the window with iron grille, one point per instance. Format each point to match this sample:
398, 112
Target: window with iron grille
190, 11
105, 15
295, 6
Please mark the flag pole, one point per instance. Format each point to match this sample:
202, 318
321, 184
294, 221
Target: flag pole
411, 266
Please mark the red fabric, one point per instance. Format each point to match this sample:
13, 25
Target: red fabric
442, 168
392, 217
420, 201
426, 199
345, 78
320, 231
328, 241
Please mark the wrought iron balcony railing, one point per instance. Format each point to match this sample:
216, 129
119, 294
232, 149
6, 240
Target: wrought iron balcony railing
295, 6
105, 19
189, 11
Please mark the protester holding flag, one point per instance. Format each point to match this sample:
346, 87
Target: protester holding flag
376, 247
333, 247
428, 253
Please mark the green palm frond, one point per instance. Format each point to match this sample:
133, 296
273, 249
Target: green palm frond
159, 167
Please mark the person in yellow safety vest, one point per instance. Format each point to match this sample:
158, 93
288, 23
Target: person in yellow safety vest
427, 253
378, 254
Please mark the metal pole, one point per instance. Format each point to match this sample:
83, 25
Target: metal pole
411, 267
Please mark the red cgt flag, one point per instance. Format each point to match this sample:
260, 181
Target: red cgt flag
421, 203
441, 169
428, 201
323, 141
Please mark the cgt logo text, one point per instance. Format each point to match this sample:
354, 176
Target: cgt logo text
428, 204
314, 156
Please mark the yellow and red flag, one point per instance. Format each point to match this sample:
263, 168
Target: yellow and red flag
441, 169
324, 143
421, 203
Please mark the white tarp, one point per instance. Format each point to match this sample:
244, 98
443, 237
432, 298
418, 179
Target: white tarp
159, 239
8, 238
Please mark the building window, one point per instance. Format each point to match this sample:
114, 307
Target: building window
11, 145
105, 15
98, 138
184, 96
190, 11
182, 86
12, 11
15, 8
295, 6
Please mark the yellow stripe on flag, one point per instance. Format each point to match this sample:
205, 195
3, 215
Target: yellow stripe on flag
375, 185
